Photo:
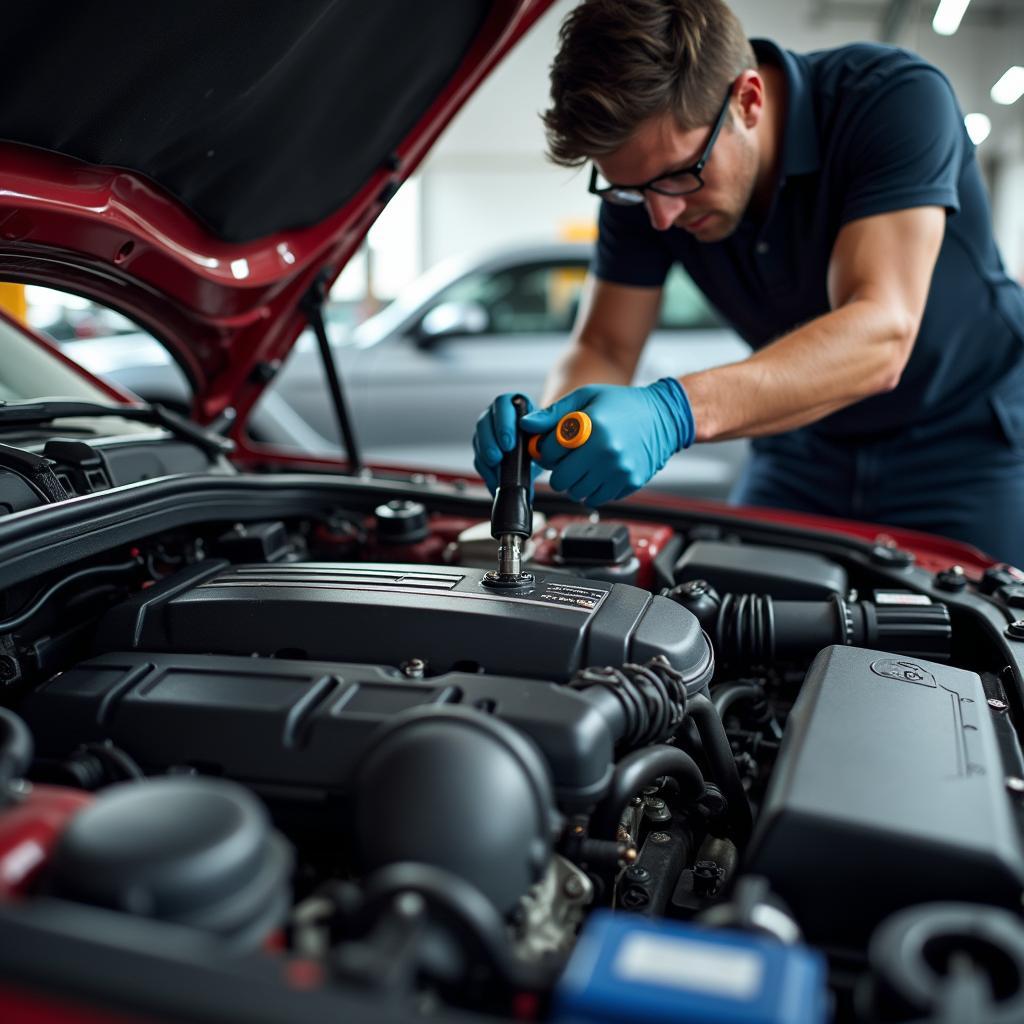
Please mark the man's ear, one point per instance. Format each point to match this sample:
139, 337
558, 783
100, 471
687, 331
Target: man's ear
748, 96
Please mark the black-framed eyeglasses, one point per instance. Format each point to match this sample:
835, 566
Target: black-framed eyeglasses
679, 183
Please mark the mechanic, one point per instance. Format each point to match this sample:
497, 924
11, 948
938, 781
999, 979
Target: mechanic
830, 206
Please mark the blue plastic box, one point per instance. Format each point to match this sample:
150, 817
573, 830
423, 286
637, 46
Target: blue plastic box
628, 969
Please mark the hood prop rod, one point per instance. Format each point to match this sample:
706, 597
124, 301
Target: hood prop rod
312, 306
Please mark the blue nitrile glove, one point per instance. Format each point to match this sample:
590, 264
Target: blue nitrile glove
635, 432
496, 434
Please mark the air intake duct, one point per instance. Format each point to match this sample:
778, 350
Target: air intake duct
750, 631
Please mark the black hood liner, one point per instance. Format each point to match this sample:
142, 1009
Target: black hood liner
258, 116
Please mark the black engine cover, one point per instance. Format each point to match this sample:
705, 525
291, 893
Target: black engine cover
299, 727
889, 790
389, 614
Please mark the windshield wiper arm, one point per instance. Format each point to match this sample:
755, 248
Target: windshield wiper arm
48, 409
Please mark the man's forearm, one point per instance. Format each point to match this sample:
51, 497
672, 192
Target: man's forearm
582, 364
838, 359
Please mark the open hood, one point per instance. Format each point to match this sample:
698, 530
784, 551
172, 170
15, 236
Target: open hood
203, 167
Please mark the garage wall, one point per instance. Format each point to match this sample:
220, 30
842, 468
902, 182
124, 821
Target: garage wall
487, 183
1008, 210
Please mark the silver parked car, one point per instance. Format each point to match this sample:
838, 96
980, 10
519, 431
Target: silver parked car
418, 373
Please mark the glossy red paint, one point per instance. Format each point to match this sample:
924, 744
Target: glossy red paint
931, 551
30, 830
19, 1006
221, 308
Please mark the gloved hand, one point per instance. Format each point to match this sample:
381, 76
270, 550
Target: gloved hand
635, 432
496, 434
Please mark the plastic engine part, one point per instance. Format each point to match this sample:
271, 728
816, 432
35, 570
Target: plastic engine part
625, 969
785, 575
888, 791
195, 852
440, 768
925, 957
302, 724
390, 614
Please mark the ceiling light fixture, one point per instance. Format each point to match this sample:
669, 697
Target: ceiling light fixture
1010, 87
948, 16
978, 127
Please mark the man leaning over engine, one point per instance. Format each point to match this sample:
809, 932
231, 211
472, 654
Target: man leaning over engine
831, 207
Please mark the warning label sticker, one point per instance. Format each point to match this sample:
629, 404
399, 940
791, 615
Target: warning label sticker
570, 595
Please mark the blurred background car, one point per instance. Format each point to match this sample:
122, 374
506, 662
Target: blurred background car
419, 372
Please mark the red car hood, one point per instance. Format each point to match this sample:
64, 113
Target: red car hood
202, 175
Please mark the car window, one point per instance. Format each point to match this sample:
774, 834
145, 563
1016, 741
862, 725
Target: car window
527, 299
29, 371
683, 306
65, 317
543, 298
108, 345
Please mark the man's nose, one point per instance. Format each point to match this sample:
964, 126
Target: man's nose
663, 210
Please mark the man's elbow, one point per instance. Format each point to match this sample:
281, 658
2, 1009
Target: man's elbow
899, 342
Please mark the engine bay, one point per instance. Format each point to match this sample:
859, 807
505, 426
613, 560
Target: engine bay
696, 771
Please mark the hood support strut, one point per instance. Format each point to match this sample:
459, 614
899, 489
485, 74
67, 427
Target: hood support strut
313, 307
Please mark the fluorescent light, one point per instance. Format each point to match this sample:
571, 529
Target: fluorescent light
948, 16
1010, 87
978, 127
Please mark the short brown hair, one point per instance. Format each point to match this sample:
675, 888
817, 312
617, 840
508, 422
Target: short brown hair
620, 62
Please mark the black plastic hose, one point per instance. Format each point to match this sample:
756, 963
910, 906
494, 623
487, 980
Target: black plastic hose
725, 696
722, 763
19, 620
643, 704
15, 750
468, 916
640, 769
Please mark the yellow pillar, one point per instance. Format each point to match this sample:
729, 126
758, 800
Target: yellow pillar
12, 300
577, 230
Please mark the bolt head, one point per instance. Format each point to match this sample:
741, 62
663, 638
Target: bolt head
660, 837
635, 897
1014, 784
573, 887
954, 578
887, 553
996, 705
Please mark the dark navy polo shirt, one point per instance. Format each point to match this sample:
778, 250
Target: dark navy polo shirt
869, 129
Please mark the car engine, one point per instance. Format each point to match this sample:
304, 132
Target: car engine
699, 770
